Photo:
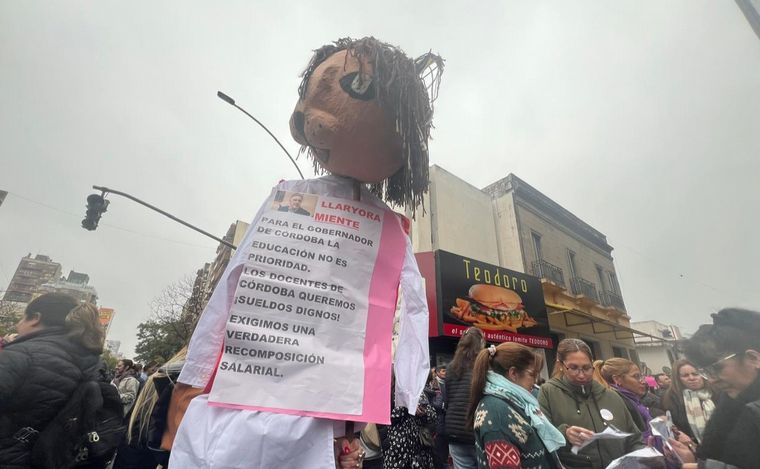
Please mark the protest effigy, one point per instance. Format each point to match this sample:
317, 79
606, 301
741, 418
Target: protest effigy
295, 344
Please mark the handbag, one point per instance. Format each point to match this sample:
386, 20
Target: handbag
426, 436
369, 438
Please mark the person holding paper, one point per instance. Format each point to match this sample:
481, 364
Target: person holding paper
728, 352
510, 429
580, 408
626, 379
689, 400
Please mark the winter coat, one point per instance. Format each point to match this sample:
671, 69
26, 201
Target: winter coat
457, 404
731, 435
675, 404
38, 374
503, 434
567, 405
128, 386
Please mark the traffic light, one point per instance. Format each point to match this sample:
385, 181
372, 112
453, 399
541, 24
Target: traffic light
96, 205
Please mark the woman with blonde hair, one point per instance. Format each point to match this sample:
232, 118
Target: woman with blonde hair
506, 418
148, 420
626, 379
58, 346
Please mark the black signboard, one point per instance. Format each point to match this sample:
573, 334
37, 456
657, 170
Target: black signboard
508, 306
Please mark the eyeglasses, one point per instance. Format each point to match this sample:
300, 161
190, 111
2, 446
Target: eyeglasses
574, 369
711, 371
637, 377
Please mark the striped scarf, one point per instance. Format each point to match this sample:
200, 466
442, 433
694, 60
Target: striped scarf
699, 408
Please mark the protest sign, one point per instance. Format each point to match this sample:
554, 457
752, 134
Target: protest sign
309, 330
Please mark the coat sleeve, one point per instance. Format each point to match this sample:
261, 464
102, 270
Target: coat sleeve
713, 464
501, 443
633, 442
412, 360
128, 391
13, 369
546, 408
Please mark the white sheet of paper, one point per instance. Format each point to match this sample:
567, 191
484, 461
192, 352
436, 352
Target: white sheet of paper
295, 333
643, 453
609, 433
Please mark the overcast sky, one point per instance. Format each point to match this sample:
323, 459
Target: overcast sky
642, 118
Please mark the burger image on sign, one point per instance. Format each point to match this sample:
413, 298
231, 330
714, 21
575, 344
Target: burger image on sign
491, 307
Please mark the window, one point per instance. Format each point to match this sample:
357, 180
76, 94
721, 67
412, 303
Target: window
537, 245
600, 274
594, 346
619, 352
635, 358
614, 283
571, 262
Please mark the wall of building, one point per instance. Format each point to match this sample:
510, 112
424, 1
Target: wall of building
422, 238
555, 243
495, 224
505, 218
605, 342
30, 274
656, 356
460, 218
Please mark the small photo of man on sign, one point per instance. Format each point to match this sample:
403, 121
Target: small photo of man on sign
294, 202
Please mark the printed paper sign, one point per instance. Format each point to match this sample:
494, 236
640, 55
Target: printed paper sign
296, 339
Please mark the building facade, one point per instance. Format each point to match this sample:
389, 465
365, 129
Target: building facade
208, 276
113, 347
511, 224
30, 275
657, 350
76, 285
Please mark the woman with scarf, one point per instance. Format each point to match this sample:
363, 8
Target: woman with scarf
126, 382
510, 429
689, 400
626, 379
579, 407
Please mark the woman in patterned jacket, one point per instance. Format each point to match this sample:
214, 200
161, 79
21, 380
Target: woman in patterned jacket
510, 429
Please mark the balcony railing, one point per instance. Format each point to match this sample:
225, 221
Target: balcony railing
549, 271
613, 299
581, 286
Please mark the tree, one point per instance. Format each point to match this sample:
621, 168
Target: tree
174, 314
109, 360
10, 312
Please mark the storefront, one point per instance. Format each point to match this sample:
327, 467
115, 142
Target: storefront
511, 306
508, 306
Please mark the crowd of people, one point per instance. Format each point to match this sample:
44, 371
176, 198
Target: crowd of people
483, 410
495, 415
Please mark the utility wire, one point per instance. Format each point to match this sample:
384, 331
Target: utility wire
108, 225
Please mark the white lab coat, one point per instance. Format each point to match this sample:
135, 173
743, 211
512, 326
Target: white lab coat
221, 438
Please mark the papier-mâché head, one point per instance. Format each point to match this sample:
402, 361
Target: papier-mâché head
365, 111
